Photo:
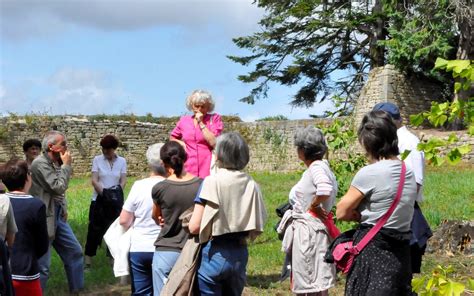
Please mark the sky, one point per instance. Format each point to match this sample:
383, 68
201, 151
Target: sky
86, 57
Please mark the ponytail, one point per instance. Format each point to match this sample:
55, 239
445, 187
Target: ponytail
173, 156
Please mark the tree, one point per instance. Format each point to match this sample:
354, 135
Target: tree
312, 43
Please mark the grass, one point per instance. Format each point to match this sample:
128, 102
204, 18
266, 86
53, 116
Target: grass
449, 194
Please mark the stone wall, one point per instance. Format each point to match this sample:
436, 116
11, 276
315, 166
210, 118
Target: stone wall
386, 84
271, 143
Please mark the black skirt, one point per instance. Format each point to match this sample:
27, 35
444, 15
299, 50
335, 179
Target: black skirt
383, 267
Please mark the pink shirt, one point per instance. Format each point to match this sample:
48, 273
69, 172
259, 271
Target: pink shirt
198, 150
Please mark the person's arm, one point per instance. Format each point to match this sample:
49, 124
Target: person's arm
324, 189
126, 219
156, 215
49, 179
10, 238
207, 134
212, 130
195, 222
177, 134
11, 226
95, 183
123, 180
346, 208
316, 208
123, 175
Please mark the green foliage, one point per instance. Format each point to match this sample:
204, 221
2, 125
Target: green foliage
438, 283
341, 140
273, 118
419, 34
309, 43
441, 113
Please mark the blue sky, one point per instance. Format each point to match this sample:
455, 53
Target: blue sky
141, 56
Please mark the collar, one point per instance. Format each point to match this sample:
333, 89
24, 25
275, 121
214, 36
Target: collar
18, 195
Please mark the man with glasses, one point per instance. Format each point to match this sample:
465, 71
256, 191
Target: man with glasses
51, 172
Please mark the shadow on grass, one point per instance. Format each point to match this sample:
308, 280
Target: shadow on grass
262, 281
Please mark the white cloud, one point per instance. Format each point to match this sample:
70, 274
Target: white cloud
22, 19
68, 91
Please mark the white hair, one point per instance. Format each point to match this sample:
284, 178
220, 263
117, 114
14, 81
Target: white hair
311, 140
200, 97
50, 138
153, 158
232, 152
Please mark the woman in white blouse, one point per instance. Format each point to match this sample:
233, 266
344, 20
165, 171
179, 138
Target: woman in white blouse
108, 171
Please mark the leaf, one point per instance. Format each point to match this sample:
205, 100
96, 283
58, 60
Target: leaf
452, 138
471, 130
405, 154
417, 119
454, 156
470, 284
464, 149
440, 63
458, 65
417, 284
452, 288
457, 86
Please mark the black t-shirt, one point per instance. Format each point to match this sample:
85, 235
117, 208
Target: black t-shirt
174, 198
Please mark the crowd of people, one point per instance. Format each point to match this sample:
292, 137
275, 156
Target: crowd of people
199, 205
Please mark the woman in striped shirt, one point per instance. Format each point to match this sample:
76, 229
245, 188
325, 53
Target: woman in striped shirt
312, 229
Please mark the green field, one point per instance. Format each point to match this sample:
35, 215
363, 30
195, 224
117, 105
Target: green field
449, 194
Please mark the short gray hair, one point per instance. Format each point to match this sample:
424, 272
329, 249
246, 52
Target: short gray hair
50, 138
232, 152
312, 142
154, 160
200, 97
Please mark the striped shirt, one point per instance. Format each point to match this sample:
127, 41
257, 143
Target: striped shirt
317, 180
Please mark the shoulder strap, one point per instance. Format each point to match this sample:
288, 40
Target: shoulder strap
385, 217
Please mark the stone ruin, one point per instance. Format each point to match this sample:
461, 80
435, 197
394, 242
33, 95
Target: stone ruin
453, 237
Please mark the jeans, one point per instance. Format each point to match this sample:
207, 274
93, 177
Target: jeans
69, 249
163, 262
141, 273
221, 270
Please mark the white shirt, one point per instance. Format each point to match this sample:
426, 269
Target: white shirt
415, 160
109, 174
140, 203
318, 179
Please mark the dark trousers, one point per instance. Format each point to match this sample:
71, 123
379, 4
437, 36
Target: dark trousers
98, 225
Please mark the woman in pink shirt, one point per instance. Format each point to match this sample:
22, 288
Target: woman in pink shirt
198, 132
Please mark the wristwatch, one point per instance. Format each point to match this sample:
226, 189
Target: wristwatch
202, 126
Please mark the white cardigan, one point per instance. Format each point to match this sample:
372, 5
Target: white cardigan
118, 240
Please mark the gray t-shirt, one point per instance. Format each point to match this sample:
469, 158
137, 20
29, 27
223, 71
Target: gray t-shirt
7, 219
379, 183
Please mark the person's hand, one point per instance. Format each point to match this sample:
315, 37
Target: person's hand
321, 212
64, 216
198, 115
66, 157
161, 221
355, 216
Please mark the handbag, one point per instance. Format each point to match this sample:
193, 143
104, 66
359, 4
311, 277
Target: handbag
342, 251
280, 211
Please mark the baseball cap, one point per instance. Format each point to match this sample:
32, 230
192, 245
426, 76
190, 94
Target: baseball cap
388, 107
